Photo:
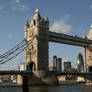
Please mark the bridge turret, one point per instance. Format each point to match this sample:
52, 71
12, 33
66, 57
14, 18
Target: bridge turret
26, 23
47, 21
47, 18
88, 53
90, 33
39, 47
84, 36
36, 17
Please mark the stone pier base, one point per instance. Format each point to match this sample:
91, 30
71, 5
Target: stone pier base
39, 78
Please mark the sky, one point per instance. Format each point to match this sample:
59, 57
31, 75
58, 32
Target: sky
65, 16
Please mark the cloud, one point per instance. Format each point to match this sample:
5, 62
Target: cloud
91, 6
1, 8
20, 8
14, 5
61, 25
9, 35
17, 1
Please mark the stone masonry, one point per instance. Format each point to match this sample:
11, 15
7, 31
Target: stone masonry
37, 52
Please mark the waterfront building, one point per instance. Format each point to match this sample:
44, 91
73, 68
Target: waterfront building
59, 64
80, 63
67, 66
51, 67
54, 61
22, 67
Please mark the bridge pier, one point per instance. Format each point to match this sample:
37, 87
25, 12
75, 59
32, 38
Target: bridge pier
39, 78
25, 84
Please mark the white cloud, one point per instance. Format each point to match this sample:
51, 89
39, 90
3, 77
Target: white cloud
9, 35
17, 1
20, 7
61, 25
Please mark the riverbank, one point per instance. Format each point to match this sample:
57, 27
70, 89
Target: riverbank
68, 82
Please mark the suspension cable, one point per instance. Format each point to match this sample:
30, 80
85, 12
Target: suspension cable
6, 53
7, 56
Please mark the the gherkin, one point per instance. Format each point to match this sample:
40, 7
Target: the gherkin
80, 62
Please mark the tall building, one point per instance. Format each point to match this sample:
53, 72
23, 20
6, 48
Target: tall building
67, 66
80, 62
59, 65
22, 67
35, 52
54, 61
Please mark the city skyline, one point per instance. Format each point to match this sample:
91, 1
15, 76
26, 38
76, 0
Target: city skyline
69, 17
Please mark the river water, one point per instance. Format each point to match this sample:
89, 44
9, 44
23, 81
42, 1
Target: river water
61, 88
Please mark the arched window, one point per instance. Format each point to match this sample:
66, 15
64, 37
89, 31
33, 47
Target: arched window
34, 23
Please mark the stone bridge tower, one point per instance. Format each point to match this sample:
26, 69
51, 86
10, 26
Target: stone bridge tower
37, 52
88, 53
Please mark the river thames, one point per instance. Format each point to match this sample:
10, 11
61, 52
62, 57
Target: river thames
61, 88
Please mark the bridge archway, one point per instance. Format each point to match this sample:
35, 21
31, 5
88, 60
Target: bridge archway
31, 66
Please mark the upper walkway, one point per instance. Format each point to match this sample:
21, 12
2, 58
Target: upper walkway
67, 39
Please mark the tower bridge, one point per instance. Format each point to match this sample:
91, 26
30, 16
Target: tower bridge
36, 46
38, 51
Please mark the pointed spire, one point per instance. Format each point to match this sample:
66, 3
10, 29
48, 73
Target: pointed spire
37, 15
84, 36
91, 26
26, 23
37, 10
90, 33
47, 18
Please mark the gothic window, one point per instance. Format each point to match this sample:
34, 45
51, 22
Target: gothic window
34, 22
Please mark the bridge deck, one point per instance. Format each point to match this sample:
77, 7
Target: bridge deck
66, 39
15, 72
29, 73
